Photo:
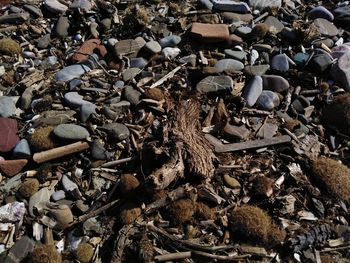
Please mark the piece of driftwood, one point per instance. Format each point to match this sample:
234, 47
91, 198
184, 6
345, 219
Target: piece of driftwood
117, 162
173, 256
123, 241
233, 147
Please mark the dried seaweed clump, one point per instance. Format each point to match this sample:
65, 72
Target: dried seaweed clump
333, 176
262, 186
41, 139
181, 211
29, 187
146, 250
129, 214
337, 113
205, 212
259, 31
155, 94
255, 225
84, 252
9, 46
128, 183
44, 171
45, 254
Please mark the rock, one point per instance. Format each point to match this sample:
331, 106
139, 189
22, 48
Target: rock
301, 58
171, 52
7, 106
44, 41
319, 63
132, 95
120, 107
231, 182
238, 55
236, 132
9, 46
130, 73
86, 110
55, 6
342, 14
318, 42
231, 6
62, 26
16, 18
268, 100
325, 27
8, 131
280, 63
170, 41
62, 214
206, 4
253, 90
117, 131
341, 71
261, 5
22, 150
12, 167
20, 250
88, 48
339, 51
191, 60
71, 72
256, 70
33, 10
210, 33
128, 47
275, 26
83, 5
233, 17
229, 65
138, 63
262, 48
58, 195
71, 132
153, 47
320, 12
106, 24
215, 85
243, 31
74, 99
98, 152
275, 83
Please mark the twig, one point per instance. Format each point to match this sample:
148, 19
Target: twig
116, 162
166, 77
173, 256
219, 257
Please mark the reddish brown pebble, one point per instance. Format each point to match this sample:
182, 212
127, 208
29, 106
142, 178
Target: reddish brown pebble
87, 48
210, 32
8, 131
12, 167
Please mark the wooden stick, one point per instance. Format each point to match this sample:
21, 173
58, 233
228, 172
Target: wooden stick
233, 147
56, 153
116, 162
173, 256
221, 258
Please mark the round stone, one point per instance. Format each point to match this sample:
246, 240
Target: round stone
275, 83
170, 41
268, 100
71, 132
86, 110
238, 55
132, 95
229, 65
320, 12
71, 72
74, 99
22, 150
153, 47
280, 63
231, 182
117, 131
253, 90
215, 85
138, 63
325, 27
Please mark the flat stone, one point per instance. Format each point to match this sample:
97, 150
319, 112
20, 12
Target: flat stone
86, 110
301, 58
120, 107
98, 152
8, 131
268, 130
318, 42
129, 47
44, 41
117, 131
231, 6
275, 25
262, 47
209, 19
71, 72
280, 63
33, 10
7, 106
88, 48
210, 33
84, 5
243, 31
55, 6
320, 63
170, 41
191, 60
12, 167
62, 26
56, 117
71, 132
229, 65
74, 99
215, 84
253, 90
132, 95
320, 12
153, 47
268, 100
15, 18
20, 250
261, 5
256, 70
139, 62
236, 132
275, 83
341, 71
238, 55
234, 17
22, 150
325, 27
130, 73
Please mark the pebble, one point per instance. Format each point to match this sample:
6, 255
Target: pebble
120, 107
243, 31
33, 10
320, 12
170, 41
229, 65
256, 70
280, 63
74, 99
132, 95
342, 14
44, 41
139, 62
62, 26
153, 47
130, 73
238, 55
22, 150
341, 71
15, 18
207, 4
128, 47
231, 182
170, 52
71, 132
253, 90
58, 195
12, 167
71, 72
261, 5
83, 5
88, 48
117, 131
320, 63
268, 100
210, 33
7, 106
275, 25
325, 27
9, 46
231, 6
275, 83
215, 85
55, 6
236, 132
86, 110
98, 152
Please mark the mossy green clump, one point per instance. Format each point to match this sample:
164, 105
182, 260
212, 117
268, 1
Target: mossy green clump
29, 187
9, 46
333, 176
181, 211
41, 139
129, 214
45, 254
255, 225
127, 184
84, 252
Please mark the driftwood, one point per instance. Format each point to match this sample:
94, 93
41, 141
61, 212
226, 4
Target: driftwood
173, 256
123, 241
